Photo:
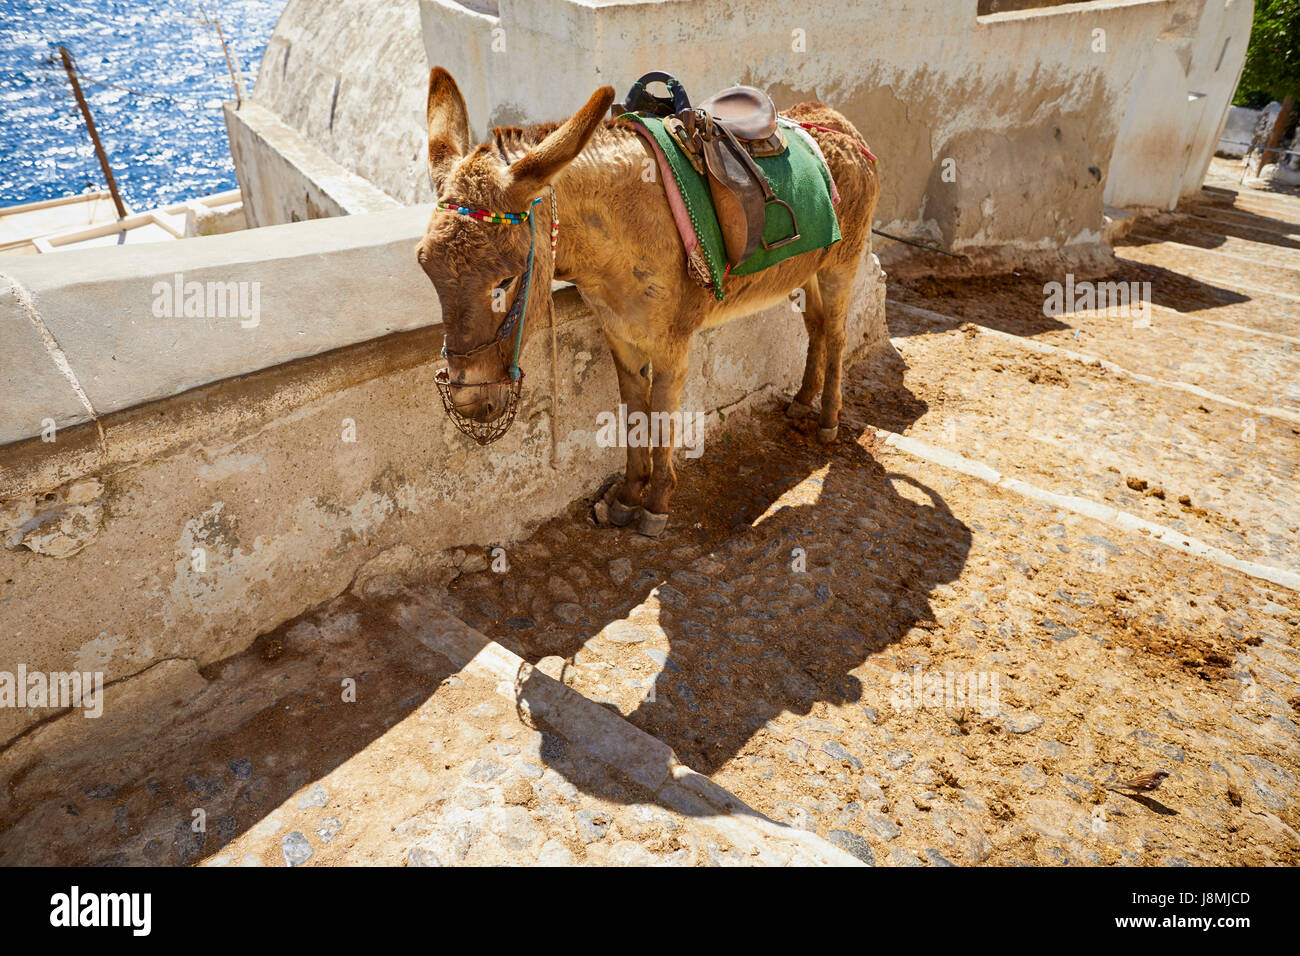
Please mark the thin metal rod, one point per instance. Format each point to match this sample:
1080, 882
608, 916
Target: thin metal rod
1255, 145
239, 89
920, 245
94, 134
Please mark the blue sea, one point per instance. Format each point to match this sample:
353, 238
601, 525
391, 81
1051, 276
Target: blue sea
158, 77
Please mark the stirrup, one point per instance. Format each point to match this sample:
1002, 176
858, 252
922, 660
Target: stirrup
794, 222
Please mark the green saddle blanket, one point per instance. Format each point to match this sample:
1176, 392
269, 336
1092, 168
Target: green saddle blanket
798, 176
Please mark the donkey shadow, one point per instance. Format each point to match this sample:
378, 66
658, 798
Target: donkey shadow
785, 568
861, 590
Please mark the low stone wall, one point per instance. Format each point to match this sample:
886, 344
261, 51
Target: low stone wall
1238, 131
246, 475
284, 178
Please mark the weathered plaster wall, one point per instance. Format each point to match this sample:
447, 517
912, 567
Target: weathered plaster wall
1020, 107
284, 178
235, 444
350, 77
1178, 107
998, 134
1216, 57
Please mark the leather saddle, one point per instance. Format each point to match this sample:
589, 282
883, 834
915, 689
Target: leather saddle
721, 137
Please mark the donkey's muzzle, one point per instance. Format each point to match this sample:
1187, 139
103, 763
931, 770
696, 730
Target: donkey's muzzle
480, 403
483, 411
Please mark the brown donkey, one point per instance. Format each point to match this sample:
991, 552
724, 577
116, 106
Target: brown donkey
619, 245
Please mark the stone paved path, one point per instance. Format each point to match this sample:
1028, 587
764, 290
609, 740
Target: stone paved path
863, 653
444, 750
772, 637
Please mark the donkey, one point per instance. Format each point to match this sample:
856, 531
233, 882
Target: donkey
619, 246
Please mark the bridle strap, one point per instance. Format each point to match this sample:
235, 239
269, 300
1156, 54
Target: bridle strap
526, 284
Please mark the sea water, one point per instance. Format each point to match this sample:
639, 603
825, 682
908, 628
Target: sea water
160, 119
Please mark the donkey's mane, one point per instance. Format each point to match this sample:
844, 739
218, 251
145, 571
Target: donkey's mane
511, 141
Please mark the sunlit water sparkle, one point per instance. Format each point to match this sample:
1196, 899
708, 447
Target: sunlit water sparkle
162, 149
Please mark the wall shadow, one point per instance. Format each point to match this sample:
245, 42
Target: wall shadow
1013, 303
1247, 225
235, 742
1010, 302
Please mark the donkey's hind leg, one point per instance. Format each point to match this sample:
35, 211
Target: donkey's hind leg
814, 367
622, 502
836, 283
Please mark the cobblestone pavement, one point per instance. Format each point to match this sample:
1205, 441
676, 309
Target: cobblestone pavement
189, 760
899, 663
466, 783
1218, 473
339, 739
792, 633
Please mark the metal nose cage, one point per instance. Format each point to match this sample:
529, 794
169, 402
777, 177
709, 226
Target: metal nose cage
483, 433
508, 390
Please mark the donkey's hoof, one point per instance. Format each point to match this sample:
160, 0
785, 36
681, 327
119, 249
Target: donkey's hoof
797, 409
651, 524
827, 436
621, 515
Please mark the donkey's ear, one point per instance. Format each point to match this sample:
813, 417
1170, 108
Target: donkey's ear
448, 125
545, 160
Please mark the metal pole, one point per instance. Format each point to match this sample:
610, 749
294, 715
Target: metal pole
94, 134
239, 90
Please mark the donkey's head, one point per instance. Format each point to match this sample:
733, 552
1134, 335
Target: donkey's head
479, 266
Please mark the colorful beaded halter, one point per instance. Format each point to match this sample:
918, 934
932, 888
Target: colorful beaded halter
483, 215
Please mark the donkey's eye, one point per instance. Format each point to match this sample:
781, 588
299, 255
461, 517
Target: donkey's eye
504, 284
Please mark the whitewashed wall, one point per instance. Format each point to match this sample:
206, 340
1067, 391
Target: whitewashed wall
1177, 109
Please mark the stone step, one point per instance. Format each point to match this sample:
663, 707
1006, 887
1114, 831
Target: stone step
1251, 244
1234, 270
1215, 472
772, 654
380, 731
1256, 372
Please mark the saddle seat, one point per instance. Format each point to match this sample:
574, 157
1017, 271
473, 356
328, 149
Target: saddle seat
748, 112
721, 137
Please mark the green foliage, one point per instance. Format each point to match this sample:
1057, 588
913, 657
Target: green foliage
1272, 69
1252, 100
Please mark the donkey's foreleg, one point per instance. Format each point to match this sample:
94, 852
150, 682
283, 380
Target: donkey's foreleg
666, 428
623, 500
815, 364
836, 291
